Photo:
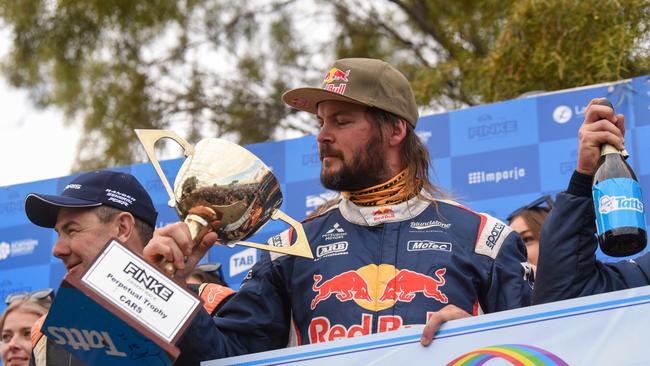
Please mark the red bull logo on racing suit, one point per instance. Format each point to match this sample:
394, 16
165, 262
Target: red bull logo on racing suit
373, 288
321, 329
406, 284
347, 286
383, 214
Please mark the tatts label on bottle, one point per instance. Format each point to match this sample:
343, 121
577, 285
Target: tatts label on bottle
618, 203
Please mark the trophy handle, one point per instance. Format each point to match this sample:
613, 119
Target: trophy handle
198, 228
301, 247
148, 138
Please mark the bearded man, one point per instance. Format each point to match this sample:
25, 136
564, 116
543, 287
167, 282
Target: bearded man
392, 252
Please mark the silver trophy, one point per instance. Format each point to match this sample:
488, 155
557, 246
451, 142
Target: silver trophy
223, 187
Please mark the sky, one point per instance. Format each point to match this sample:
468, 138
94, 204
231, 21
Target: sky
35, 144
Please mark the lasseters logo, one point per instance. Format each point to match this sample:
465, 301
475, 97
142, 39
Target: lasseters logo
17, 248
562, 114
5, 250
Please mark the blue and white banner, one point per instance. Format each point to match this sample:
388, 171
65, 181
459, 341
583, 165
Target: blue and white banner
493, 158
607, 329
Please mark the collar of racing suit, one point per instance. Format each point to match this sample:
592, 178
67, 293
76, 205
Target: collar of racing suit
388, 193
372, 216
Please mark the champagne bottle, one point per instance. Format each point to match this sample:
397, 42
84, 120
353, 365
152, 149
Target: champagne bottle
618, 204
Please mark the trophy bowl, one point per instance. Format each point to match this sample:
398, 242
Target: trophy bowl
224, 188
232, 182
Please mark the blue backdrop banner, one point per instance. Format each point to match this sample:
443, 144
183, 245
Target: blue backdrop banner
493, 158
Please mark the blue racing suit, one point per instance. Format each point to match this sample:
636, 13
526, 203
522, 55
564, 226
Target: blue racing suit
375, 269
567, 265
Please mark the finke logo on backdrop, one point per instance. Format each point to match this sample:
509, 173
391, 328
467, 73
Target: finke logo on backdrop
482, 176
488, 128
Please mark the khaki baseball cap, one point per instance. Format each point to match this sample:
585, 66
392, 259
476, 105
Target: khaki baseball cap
365, 81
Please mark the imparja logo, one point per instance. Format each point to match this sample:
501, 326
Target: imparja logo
482, 176
619, 203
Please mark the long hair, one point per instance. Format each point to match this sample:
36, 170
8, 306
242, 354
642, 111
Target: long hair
415, 156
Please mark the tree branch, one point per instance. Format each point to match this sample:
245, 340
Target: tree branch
419, 14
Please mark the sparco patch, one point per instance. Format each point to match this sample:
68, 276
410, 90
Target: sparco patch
491, 236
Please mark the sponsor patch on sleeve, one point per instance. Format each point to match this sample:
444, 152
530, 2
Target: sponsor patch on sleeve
212, 295
281, 240
492, 234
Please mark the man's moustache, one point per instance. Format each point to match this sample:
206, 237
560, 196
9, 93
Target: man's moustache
326, 151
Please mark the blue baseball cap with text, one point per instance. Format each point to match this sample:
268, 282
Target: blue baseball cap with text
103, 187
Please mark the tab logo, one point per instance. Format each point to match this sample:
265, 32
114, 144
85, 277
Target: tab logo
242, 261
420, 245
328, 250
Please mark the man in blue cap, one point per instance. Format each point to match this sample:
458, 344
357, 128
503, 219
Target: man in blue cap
91, 210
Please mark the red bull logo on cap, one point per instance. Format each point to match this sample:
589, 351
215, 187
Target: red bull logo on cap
376, 288
336, 75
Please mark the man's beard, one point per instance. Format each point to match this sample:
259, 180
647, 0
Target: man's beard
367, 169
